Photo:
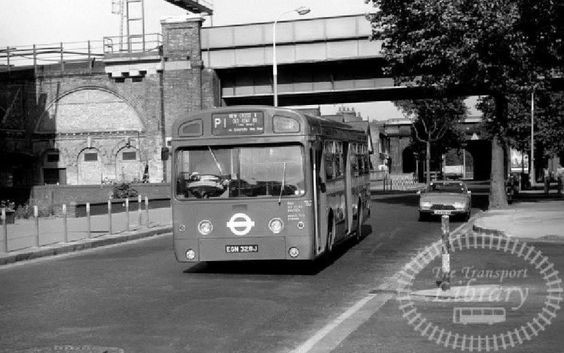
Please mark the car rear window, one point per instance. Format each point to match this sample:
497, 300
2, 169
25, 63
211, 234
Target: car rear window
447, 188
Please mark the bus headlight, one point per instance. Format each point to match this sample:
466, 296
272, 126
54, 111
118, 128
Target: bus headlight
293, 252
190, 254
276, 225
205, 227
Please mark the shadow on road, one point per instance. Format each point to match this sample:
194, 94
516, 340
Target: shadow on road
537, 196
479, 200
408, 199
279, 267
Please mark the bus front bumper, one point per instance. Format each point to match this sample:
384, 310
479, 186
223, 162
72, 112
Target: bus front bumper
243, 249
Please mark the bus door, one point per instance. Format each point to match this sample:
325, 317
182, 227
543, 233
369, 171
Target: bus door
320, 197
349, 202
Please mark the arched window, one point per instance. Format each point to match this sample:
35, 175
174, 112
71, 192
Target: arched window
89, 167
128, 165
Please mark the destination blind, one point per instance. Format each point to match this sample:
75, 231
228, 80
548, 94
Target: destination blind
238, 123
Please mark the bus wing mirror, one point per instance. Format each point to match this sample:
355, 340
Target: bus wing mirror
322, 187
164, 153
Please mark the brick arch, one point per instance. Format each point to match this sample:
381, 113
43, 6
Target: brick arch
132, 141
89, 109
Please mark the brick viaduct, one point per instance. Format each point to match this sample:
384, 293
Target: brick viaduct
92, 121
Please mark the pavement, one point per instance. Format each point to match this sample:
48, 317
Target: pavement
27, 239
533, 217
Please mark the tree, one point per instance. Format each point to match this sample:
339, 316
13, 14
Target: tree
549, 120
436, 120
497, 47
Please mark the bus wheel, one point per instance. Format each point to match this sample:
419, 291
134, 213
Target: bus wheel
359, 223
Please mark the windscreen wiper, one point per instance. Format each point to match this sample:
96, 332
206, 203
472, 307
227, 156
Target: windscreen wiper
283, 182
217, 164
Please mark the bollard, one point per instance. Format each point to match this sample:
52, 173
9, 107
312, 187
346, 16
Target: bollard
110, 215
36, 216
88, 221
65, 225
139, 210
127, 214
444, 277
4, 231
147, 209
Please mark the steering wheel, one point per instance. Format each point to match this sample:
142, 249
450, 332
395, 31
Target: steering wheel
205, 185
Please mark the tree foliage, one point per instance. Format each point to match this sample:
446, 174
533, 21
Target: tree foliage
495, 47
548, 122
436, 123
435, 119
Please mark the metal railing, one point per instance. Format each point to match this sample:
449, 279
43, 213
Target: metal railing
384, 181
137, 44
65, 52
35, 232
49, 54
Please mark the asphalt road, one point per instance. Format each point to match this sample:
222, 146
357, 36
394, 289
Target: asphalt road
136, 298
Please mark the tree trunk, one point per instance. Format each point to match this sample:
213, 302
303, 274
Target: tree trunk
428, 161
497, 199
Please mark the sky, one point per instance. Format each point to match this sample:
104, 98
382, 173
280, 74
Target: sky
27, 22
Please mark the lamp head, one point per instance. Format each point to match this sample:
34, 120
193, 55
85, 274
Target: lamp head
302, 10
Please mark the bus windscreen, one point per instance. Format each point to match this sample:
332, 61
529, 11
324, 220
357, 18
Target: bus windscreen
240, 171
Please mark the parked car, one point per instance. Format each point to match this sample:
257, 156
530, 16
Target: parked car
445, 198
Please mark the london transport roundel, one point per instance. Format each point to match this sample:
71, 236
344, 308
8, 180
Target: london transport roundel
240, 224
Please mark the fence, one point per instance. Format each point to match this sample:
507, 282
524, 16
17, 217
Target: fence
38, 231
72, 52
49, 54
384, 181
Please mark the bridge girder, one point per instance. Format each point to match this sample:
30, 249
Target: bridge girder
336, 82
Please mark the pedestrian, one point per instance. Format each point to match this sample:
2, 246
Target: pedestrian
146, 174
560, 178
546, 180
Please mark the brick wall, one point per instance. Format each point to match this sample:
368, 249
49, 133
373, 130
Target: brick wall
86, 108
99, 114
182, 77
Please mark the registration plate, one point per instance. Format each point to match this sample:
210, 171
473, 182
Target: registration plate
233, 249
447, 212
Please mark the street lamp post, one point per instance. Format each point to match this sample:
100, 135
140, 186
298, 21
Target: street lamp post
532, 175
300, 11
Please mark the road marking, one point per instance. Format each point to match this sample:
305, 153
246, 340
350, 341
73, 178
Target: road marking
329, 337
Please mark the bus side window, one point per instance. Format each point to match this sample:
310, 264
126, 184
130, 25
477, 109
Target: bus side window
354, 164
354, 160
329, 161
339, 159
